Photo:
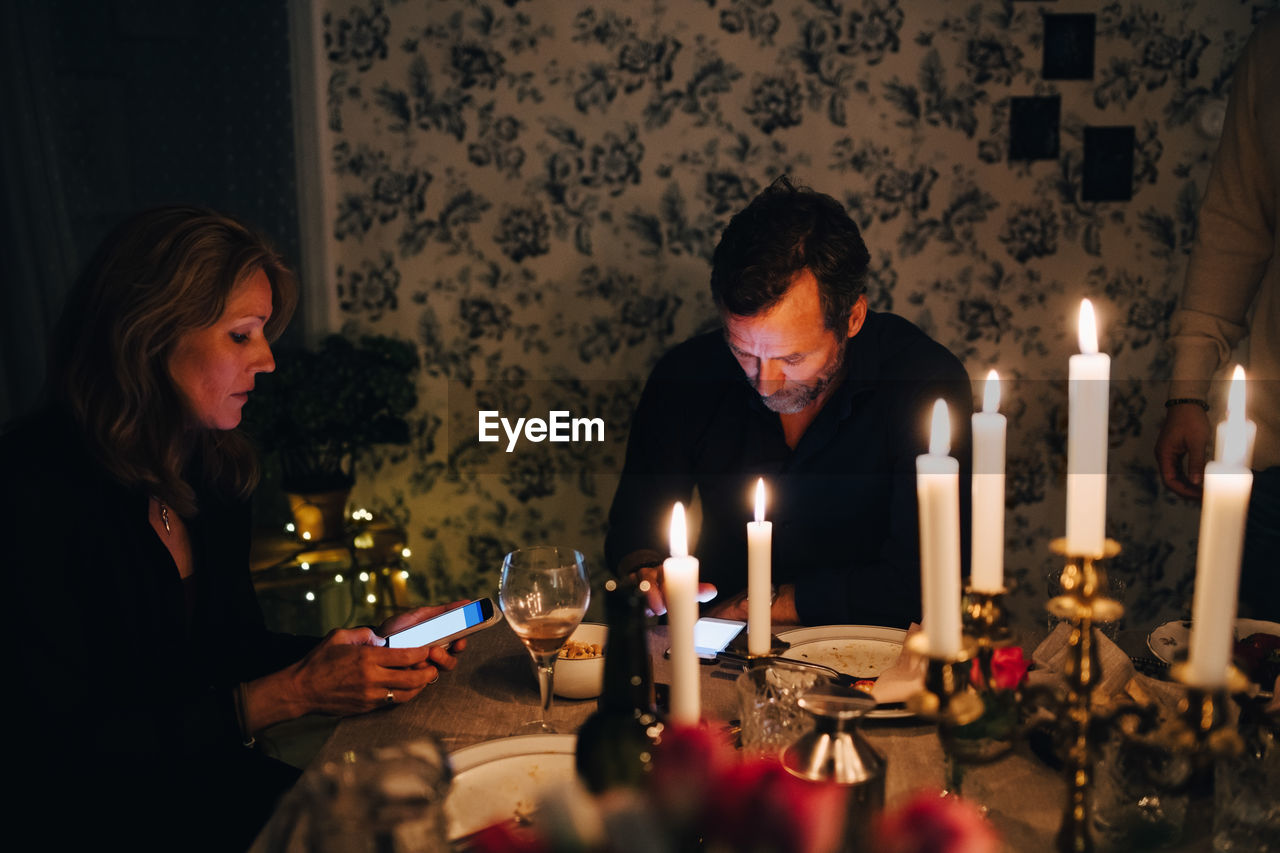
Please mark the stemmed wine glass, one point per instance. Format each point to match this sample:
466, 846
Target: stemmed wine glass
543, 594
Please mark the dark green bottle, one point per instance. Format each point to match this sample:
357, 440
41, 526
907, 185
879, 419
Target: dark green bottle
615, 744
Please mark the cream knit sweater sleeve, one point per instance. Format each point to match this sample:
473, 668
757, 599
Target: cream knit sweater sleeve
1233, 278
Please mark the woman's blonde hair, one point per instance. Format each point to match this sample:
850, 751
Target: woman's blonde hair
159, 275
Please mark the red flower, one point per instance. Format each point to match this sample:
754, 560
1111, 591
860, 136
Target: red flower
758, 805
686, 764
505, 838
702, 789
1008, 669
929, 823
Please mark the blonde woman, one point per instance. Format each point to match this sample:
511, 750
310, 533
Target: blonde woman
144, 660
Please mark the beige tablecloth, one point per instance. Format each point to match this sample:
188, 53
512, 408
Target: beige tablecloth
493, 690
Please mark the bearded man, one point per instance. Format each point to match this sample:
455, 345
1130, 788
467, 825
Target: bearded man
804, 386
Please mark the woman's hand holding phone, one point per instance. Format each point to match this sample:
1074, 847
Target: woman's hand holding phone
441, 626
353, 670
408, 619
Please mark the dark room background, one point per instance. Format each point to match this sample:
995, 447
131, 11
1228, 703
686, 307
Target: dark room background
113, 106
531, 190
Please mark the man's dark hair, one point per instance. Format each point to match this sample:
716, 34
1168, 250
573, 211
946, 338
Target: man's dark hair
784, 230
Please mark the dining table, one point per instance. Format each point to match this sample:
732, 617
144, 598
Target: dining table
493, 691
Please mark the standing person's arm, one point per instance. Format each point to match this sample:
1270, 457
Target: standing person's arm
1235, 240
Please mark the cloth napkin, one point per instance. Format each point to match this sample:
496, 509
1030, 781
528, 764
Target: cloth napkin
904, 679
1119, 683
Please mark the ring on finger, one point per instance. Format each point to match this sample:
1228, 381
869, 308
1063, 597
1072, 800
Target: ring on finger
390, 698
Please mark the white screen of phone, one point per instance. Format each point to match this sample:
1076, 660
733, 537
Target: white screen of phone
710, 636
433, 629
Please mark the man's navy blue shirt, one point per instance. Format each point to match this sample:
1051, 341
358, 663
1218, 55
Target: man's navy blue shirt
842, 502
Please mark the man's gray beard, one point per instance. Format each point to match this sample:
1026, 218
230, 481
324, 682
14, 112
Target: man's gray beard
793, 400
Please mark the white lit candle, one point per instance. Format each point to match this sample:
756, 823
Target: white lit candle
988, 491
680, 588
1088, 387
938, 493
1235, 403
1227, 483
759, 577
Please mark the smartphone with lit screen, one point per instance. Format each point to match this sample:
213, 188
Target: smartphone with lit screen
448, 626
711, 636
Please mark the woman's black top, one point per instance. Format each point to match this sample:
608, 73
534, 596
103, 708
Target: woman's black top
122, 701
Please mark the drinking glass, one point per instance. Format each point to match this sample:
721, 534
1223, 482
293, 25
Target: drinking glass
768, 698
543, 594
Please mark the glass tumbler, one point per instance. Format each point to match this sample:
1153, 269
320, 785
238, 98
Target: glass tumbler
1246, 805
390, 800
1140, 800
768, 696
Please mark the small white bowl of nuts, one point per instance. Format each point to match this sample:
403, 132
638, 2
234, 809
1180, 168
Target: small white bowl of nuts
580, 665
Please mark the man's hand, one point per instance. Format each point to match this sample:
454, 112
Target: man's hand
1185, 432
782, 612
657, 602
732, 608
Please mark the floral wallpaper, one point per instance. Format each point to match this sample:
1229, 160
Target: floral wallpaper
531, 191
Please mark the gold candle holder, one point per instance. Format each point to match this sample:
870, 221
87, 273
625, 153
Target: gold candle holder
1187, 745
946, 698
987, 622
1203, 727
1082, 603
738, 649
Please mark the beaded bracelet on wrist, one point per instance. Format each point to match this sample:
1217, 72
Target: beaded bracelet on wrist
1177, 401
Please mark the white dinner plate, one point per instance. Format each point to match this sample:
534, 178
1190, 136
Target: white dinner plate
865, 650
1170, 641
498, 779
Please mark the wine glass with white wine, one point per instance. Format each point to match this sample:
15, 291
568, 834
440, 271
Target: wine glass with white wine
543, 594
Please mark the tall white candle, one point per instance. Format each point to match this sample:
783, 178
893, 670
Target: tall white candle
680, 588
938, 493
1088, 387
988, 491
1227, 484
759, 577
1235, 403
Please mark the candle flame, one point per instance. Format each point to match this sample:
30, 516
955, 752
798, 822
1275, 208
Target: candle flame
1236, 439
1235, 396
1088, 328
991, 392
679, 532
940, 431
760, 499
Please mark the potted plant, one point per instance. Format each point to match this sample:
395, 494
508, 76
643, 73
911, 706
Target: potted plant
321, 408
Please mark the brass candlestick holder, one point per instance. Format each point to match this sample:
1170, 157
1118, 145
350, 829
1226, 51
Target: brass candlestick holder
737, 649
1202, 730
987, 622
1204, 722
1171, 758
946, 698
1083, 603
